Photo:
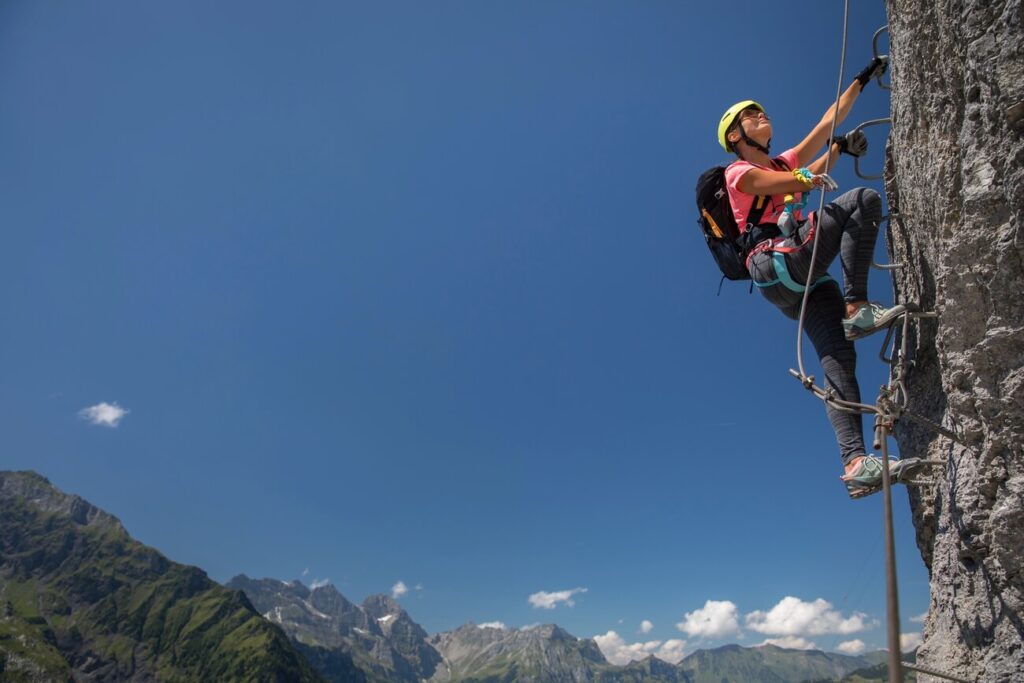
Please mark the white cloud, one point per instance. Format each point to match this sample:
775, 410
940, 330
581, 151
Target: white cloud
919, 619
851, 647
493, 624
104, 414
399, 589
646, 626
305, 572
910, 641
545, 600
717, 619
320, 583
617, 651
419, 586
529, 627
791, 643
672, 651
794, 617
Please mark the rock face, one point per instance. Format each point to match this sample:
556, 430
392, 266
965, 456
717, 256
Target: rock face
377, 641
541, 653
44, 497
771, 664
956, 176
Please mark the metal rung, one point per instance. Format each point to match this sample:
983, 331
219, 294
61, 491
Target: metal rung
918, 482
906, 468
938, 674
906, 319
856, 160
887, 218
874, 51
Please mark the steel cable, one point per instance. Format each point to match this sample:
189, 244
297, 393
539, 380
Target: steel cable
821, 203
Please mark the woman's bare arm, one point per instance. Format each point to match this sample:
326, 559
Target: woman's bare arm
758, 181
819, 134
818, 166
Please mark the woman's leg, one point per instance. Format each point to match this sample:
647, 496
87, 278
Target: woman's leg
823, 325
848, 227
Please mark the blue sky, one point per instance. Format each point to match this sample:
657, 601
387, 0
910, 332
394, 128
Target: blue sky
405, 291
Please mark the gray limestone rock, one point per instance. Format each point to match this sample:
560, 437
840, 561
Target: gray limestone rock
540, 653
39, 492
955, 175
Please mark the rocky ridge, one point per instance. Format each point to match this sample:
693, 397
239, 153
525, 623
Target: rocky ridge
471, 652
81, 600
377, 640
380, 642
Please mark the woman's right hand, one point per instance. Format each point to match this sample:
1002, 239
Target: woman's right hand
824, 181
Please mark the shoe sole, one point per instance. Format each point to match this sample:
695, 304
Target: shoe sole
862, 492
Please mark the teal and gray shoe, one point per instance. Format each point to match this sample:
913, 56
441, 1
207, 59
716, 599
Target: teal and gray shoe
871, 318
867, 478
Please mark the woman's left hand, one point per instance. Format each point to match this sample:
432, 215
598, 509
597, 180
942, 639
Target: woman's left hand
875, 68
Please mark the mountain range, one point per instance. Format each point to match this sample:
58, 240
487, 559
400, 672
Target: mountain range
80, 600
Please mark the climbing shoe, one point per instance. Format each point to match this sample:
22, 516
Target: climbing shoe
871, 318
866, 478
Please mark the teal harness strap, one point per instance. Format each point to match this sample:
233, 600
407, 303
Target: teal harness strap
783, 277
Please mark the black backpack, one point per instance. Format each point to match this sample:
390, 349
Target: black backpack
728, 247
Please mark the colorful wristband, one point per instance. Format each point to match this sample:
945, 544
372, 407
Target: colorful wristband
805, 177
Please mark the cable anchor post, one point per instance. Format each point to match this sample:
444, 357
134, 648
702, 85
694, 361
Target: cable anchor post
891, 586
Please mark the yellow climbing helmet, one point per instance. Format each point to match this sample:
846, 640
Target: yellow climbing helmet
729, 117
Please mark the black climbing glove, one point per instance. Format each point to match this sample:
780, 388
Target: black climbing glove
875, 68
854, 143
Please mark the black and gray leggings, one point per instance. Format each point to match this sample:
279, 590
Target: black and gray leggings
847, 228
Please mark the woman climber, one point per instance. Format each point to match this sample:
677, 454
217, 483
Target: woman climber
779, 251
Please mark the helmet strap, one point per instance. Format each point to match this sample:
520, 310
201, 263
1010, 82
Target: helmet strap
756, 145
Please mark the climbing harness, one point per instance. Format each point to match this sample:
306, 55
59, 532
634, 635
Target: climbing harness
893, 399
788, 221
783, 277
778, 251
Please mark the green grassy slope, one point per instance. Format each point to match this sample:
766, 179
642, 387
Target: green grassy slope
86, 596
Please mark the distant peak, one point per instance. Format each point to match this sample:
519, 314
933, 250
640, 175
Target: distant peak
381, 605
37, 491
324, 586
